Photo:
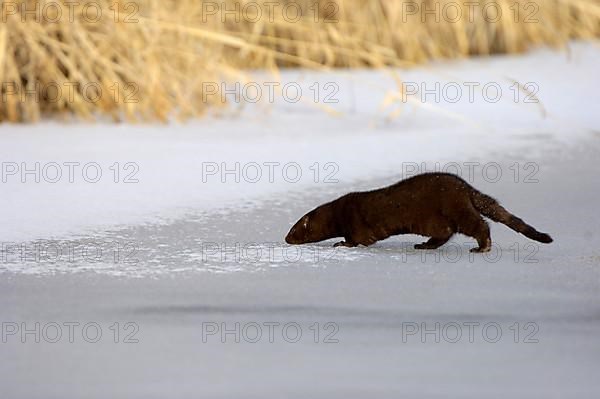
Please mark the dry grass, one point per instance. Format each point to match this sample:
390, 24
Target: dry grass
149, 59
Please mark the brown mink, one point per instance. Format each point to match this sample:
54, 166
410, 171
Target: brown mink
435, 205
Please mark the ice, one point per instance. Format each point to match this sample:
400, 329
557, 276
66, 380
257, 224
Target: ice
179, 257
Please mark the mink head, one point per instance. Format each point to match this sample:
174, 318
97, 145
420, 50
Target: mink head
315, 226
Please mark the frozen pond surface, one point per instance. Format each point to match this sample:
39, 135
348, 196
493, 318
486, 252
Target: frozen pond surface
175, 287
379, 311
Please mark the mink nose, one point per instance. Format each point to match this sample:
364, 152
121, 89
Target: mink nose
288, 237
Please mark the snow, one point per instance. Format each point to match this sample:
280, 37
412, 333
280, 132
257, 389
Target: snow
360, 143
179, 255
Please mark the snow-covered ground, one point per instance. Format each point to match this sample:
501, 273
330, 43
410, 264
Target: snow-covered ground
207, 253
100, 176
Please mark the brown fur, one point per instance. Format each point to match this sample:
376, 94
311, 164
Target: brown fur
436, 205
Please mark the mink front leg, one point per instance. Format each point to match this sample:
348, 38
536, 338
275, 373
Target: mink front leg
345, 244
433, 243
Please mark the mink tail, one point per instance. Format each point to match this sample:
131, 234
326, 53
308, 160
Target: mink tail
490, 208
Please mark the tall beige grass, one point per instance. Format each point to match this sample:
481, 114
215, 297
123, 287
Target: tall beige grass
150, 59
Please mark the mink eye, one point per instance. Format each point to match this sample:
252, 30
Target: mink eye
305, 222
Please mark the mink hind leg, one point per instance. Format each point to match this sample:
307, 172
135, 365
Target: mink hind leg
474, 226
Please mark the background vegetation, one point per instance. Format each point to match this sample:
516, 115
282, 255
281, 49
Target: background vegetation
150, 59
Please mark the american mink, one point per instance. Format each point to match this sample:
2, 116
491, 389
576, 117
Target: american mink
436, 205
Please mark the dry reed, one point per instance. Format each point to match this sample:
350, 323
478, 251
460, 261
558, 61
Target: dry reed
149, 59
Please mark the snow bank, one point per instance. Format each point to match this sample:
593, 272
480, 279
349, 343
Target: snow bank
101, 176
